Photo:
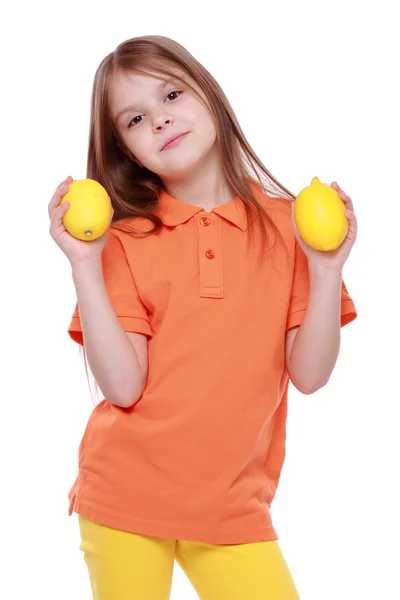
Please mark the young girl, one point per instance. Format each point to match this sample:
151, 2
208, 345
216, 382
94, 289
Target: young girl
195, 309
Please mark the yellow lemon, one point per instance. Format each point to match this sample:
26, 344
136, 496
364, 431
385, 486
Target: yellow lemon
90, 211
319, 216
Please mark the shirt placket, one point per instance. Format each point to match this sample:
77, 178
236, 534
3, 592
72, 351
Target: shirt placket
210, 256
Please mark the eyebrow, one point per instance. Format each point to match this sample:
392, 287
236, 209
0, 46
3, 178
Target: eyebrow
131, 107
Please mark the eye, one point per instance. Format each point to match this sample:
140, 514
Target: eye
174, 95
135, 121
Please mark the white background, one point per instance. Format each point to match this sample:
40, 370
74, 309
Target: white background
315, 87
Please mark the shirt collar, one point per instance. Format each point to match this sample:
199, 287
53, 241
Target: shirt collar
175, 212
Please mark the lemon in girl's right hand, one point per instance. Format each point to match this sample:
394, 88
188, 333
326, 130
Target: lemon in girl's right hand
319, 216
90, 210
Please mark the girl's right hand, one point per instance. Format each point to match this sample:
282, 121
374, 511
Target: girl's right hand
76, 251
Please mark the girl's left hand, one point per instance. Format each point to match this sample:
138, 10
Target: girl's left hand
333, 259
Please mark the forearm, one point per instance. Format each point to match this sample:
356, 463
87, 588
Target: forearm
111, 356
317, 343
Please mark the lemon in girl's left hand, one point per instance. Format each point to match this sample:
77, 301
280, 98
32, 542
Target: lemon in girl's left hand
90, 210
319, 216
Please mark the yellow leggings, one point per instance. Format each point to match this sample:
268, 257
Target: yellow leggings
129, 566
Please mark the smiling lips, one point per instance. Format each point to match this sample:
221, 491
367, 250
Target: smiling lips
174, 140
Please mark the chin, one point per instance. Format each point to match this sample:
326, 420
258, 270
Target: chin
185, 165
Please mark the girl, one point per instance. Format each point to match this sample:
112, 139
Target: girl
195, 309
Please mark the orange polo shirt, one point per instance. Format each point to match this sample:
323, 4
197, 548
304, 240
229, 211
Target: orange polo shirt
199, 456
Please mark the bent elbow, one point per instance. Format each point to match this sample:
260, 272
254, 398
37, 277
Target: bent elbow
127, 400
307, 388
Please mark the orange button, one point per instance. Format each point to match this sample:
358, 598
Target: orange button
210, 253
205, 222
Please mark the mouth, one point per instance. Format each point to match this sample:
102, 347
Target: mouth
174, 141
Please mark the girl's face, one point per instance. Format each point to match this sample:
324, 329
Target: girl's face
149, 112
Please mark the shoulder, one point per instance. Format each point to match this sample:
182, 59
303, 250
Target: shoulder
279, 210
280, 207
273, 205
131, 226
122, 239
130, 231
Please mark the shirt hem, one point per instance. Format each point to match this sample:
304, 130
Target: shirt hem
177, 532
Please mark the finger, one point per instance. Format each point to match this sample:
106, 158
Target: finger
341, 192
346, 199
61, 190
56, 223
353, 225
336, 186
68, 179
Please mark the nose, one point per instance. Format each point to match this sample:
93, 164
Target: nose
162, 121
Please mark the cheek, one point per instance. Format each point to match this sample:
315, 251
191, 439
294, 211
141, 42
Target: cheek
207, 125
209, 129
139, 145
197, 114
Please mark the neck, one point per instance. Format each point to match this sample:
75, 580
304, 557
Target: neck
204, 186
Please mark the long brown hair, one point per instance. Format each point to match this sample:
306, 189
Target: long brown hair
134, 190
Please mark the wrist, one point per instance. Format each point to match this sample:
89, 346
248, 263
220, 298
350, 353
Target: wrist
317, 271
86, 267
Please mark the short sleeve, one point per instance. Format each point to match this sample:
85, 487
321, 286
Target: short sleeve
121, 290
300, 291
